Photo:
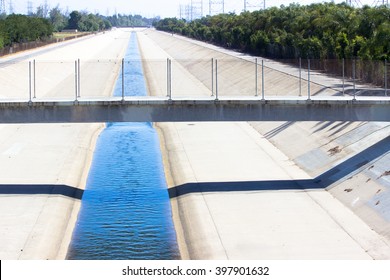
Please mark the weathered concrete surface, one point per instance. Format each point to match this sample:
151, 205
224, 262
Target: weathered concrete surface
43, 168
163, 110
235, 193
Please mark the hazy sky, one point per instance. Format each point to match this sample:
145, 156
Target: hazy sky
149, 8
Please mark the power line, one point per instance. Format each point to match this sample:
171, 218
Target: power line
354, 3
195, 9
254, 5
13, 6
381, 3
191, 11
216, 7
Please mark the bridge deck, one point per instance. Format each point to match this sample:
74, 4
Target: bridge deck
154, 109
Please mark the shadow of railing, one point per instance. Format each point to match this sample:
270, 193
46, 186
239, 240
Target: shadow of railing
323, 181
63, 190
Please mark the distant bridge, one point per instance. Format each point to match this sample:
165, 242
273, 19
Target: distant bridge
153, 109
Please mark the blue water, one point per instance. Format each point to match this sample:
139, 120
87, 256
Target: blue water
125, 213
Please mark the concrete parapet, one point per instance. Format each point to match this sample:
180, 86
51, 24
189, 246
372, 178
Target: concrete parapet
196, 110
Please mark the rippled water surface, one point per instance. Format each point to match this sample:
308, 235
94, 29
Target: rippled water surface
125, 210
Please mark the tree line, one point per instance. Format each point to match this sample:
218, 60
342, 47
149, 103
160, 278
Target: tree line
41, 24
20, 29
121, 20
323, 31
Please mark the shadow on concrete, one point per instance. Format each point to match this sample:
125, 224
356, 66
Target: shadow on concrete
321, 126
330, 126
342, 126
367, 92
278, 130
326, 88
350, 166
64, 190
345, 169
238, 186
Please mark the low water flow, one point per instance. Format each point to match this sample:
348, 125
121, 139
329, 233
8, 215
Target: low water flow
125, 211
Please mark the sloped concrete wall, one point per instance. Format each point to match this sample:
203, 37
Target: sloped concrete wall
316, 147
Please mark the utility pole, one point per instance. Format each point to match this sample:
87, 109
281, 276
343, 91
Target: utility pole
2, 7
46, 9
11, 7
29, 8
196, 9
180, 11
191, 11
187, 12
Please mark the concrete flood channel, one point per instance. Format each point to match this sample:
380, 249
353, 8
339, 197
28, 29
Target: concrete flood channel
125, 211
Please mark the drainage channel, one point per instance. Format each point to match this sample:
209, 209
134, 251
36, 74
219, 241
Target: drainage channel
125, 213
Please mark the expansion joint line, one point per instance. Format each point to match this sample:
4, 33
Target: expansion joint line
215, 226
334, 219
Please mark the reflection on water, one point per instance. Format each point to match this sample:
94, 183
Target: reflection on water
126, 211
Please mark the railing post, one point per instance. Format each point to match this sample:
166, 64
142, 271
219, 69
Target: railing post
300, 76
167, 77
262, 80
29, 81
308, 80
79, 78
354, 77
123, 79
212, 77
75, 79
256, 79
343, 66
35, 88
385, 77
216, 79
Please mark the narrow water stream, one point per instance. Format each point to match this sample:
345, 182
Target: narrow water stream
125, 211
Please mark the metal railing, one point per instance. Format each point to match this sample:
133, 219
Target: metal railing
214, 77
